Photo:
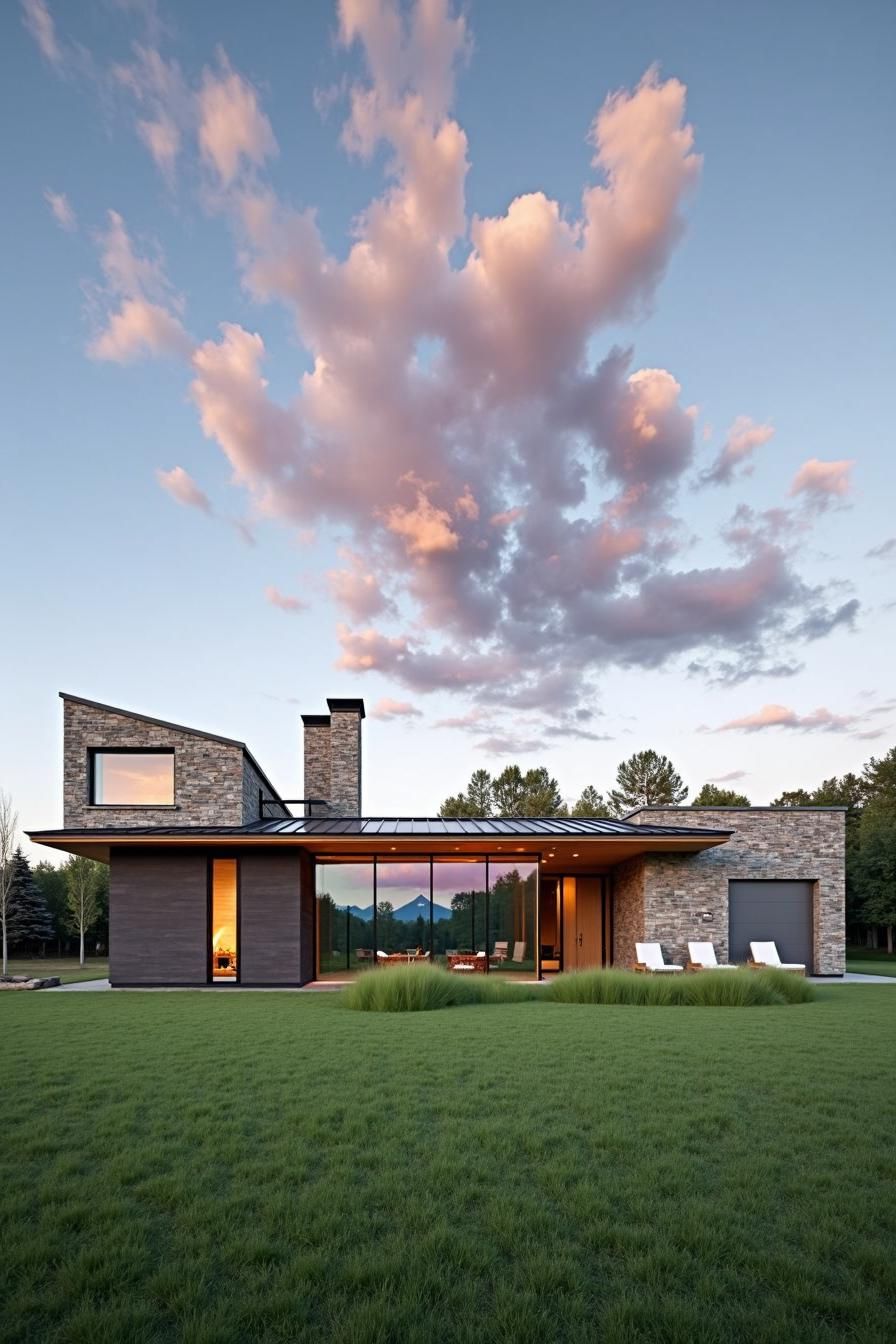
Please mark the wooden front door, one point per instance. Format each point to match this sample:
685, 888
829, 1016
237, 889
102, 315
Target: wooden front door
582, 923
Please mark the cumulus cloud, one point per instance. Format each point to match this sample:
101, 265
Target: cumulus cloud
735, 457
145, 320
508, 496
40, 24
284, 601
181, 486
780, 716
394, 709
61, 210
233, 130
822, 483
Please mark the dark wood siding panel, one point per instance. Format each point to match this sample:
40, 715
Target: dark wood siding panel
269, 952
308, 920
158, 918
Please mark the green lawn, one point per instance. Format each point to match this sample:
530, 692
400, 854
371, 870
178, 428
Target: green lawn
870, 961
209, 1168
68, 969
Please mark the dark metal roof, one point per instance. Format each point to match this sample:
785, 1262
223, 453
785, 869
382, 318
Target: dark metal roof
177, 727
424, 827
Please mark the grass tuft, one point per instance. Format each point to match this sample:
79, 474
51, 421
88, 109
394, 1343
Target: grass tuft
708, 989
420, 989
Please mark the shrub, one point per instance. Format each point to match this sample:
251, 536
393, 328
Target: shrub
418, 989
707, 989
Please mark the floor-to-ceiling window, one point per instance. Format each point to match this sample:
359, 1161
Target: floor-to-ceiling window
402, 906
345, 940
224, 931
512, 906
458, 906
426, 907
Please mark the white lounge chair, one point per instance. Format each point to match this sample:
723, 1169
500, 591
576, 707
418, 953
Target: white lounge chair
766, 954
702, 957
650, 960
519, 952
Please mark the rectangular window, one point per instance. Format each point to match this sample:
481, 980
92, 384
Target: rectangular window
224, 922
132, 778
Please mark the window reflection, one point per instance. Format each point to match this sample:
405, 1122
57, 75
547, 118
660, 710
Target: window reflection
344, 918
511, 916
402, 907
133, 778
458, 903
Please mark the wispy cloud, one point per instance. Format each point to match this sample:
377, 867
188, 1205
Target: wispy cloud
781, 716
61, 210
884, 551
284, 601
39, 22
735, 457
394, 709
141, 308
180, 486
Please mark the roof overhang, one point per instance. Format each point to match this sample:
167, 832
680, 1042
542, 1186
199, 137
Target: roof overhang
566, 854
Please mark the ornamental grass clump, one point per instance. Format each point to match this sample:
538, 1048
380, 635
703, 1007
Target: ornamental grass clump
706, 989
420, 989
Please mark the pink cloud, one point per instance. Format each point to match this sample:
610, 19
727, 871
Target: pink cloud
394, 709
181, 486
742, 440
146, 320
293, 605
780, 716
823, 482
516, 495
233, 130
61, 210
356, 588
39, 22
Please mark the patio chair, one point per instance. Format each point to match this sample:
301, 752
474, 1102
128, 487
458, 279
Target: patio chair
650, 960
702, 957
519, 952
499, 956
766, 954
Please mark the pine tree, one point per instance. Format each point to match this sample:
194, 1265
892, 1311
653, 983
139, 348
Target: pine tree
646, 779
590, 803
29, 919
712, 796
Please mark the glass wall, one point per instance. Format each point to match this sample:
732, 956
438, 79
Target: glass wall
402, 906
386, 910
224, 950
344, 917
512, 905
458, 905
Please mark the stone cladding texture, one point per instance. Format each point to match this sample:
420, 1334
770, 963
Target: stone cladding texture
214, 782
345, 763
768, 843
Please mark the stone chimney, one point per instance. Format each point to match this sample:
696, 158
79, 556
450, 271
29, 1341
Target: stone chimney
333, 759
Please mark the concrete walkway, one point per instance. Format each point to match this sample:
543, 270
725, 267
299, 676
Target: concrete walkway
318, 986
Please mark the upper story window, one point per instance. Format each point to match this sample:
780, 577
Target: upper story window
136, 778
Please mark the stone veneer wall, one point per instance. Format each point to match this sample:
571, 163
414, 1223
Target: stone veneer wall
345, 763
252, 784
627, 888
768, 843
316, 755
214, 782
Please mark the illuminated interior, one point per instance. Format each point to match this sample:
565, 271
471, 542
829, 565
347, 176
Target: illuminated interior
133, 778
224, 930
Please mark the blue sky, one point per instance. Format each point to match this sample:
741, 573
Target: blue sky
588, 625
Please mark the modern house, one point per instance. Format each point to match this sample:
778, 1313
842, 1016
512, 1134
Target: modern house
215, 878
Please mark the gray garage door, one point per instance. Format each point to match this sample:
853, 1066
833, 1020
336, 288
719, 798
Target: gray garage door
766, 911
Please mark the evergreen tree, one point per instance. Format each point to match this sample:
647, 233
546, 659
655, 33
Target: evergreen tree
712, 796
646, 779
51, 882
590, 803
29, 919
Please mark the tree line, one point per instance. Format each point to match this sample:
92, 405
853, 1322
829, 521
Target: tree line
46, 907
648, 778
